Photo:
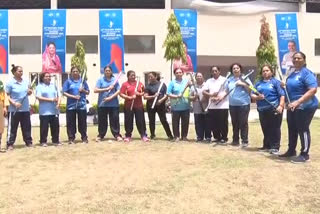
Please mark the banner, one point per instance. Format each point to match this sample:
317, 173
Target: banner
3, 42
188, 25
111, 40
54, 41
288, 40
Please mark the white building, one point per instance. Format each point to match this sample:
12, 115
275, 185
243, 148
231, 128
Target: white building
225, 35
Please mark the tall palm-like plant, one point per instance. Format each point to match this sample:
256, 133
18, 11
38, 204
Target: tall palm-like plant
266, 51
78, 60
173, 42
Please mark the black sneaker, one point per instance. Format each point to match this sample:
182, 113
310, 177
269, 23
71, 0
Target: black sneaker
71, 141
222, 141
274, 151
85, 141
152, 137
300, 159
288, 154
244, 145
233, 143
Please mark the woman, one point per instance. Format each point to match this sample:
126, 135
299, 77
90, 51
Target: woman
108, 105
50, 60
270, 115
76, 89
185, 67
178, 92
239, 105
3, 110
217, 112
133, 98
151, 93
18, 91
200, 102
301, 86
49, 101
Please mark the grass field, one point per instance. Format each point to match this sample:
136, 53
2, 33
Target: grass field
160, 177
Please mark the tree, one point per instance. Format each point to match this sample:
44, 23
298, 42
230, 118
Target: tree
78, 60
173, 42
266, 51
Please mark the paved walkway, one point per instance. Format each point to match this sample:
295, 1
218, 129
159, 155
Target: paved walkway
253, 115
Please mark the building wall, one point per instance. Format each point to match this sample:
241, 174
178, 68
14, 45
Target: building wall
217, 36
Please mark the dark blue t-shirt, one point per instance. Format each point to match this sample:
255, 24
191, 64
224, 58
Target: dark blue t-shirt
72, 87
298, 83
272, 91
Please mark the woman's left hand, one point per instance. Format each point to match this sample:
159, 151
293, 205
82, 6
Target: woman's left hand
279, 109
292, 106
5, 111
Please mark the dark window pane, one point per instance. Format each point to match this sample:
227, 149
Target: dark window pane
139, 44
90, 43
24, 4
317, 47
313, 6
25, 44
159, 4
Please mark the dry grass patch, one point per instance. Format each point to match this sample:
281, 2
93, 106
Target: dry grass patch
160, 177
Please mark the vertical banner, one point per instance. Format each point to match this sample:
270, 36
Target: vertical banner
3, 41
111, 40
288, 40
188, 25
54, 41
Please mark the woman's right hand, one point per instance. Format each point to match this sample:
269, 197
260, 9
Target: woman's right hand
17, 105
77, 97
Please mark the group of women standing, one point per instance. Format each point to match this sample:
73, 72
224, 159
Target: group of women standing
212, 101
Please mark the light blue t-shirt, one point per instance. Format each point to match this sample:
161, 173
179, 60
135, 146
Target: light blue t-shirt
176, 87
239, 95
72, 87
18, 92
103, 82
47, 91
298, 83
272, 91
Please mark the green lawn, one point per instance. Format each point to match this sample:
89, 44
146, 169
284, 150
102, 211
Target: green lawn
160, 177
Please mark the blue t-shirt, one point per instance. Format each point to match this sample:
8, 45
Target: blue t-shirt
272, 91
72, 87
239, 95
298, 83
47, 91
176, 87
18, 92
103, 82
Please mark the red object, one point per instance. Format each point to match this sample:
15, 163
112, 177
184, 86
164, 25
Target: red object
116, 57
128, 89
3, 59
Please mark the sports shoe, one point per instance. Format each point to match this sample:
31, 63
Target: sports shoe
30, 145
215, 140
244, 145
288, 154
71, 142
274, 151
222, 141
85, 141
119, 139
233, 143
98, 139
127, 139
176, 140
44, 144
10, 147
58, 144
145, 139
152, 137
300, 159
185, 139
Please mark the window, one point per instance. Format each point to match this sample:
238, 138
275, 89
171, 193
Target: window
313, 6
25, 44
24, 4
139, 44
317, 47
90, 43
159, 4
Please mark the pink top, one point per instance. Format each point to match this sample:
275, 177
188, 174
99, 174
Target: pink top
186, 68
51, 64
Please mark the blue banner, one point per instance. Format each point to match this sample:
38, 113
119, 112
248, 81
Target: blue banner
288, 40
188, 25
54, 41
111, 40
3, 42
